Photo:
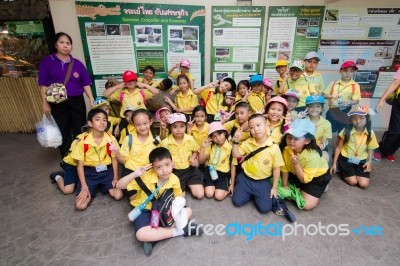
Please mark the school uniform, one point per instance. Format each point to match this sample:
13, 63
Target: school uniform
97, 161
181, 154
154, 83
187, 74
315, 169
136, 99
274, 131
315, 81
220, 159
354, 153
231, 127
129, 129
150, 179
347, 92
213, 102
189, 101
323, 129
277, 84
253, 181
199, 135
257, 101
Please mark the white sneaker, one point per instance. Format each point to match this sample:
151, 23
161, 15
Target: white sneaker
327, 188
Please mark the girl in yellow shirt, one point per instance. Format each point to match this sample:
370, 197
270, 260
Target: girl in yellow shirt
275, 111
198, 127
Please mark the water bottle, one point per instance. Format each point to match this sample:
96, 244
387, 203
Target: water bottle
213, 173
134, 214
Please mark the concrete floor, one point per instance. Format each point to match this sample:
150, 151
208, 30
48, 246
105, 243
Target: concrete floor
39, 226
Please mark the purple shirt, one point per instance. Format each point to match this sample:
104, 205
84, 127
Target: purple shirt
53, 70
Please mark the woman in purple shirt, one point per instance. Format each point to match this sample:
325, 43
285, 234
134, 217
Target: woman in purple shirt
71, 114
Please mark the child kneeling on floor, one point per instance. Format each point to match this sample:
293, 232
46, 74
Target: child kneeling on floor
263, 161
159, 177
97, 165
304, 168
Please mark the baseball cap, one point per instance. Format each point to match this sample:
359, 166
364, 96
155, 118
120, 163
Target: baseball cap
267, 82
281, 63
298, 64
312, 54
215, 126
158, 113
99, 102
349, 64
176, 117
291, 93
231, 81
185, 63
315, 99
360, 110
130, 108
300, 127
129, 76
256, 79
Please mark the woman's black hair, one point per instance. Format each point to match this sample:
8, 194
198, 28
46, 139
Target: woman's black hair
156, 141
310, 146
244, 82
348, 129
94, 112
150, 68
199, 108
60, 34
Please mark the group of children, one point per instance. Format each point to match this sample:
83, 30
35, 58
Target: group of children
254, 141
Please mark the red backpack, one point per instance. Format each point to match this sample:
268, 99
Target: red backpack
87, 146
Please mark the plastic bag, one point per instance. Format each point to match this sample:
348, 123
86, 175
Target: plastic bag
48, 133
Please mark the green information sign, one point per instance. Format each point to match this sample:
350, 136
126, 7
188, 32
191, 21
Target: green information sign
18, 28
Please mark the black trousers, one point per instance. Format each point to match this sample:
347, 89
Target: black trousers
391, 138
70, 116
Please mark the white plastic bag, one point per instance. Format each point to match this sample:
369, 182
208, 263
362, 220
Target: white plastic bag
48, 133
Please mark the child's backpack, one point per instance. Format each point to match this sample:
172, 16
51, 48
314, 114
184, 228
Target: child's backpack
87, 146
204, 102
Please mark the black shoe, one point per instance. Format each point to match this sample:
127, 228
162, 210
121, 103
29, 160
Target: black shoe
54, 174
148, 247
195, 230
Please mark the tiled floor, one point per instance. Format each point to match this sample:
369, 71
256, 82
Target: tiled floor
39, 226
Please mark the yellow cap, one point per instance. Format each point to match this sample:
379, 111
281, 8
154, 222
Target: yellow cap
281, 63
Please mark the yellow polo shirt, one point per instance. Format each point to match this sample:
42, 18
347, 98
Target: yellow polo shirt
68, 158
257, 101
261, 165
356, 146
154, 83
122, 135
138, 153
311, 162
316, 82
131, 99
274, 131
189, 101
150, 179
345, 91
220, 158
96, 154
303, 89
214, 103
187, 74
199, 135
323, 129
277, 83
114, 121
234, 123
181, 153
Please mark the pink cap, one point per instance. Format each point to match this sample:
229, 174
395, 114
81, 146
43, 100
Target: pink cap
176, 117
267, 82
158, 113
292, 93
215, 126
277, 99
185, 63
349, 64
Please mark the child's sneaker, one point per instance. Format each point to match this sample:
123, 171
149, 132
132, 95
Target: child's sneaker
326, 188
280, 208
148, 247
195, 230
377, 156
390, 158
54, 174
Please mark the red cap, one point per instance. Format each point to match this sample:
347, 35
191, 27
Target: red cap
129, 76
349, 64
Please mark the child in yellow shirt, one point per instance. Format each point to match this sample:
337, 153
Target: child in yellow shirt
184, 67
99, 102
276, 110
148, 76
162, 115
198, 127
281, 66
256, 99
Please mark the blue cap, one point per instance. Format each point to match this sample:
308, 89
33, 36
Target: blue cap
315, 99
256, 79
300, 127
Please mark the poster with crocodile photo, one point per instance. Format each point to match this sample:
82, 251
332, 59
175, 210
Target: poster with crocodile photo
121, 36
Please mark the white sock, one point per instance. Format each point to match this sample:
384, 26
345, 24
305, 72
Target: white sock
57, 177
177, 232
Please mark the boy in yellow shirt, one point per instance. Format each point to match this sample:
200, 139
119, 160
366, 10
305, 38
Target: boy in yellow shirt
97, 166
281, 67
256, 99
263, 161
313, 77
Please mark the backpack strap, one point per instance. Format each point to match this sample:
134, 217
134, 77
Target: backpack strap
233, 131
144, 98
353, 88
333, 85
208, 97
130, 140
121, 96
141, 184
253, 153
87, 146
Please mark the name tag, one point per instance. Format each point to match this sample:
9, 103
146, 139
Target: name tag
354, 160
101, 168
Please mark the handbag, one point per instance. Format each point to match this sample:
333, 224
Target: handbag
56, 92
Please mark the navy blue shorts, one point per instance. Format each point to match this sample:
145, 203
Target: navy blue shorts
94, 180
70, 174
221, 183
142, 220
